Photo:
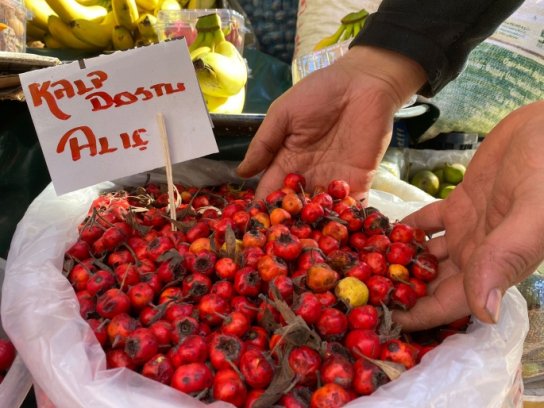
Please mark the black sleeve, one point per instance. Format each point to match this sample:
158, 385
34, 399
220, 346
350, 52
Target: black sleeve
438, 34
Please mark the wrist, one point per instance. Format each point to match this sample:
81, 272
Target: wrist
399, 75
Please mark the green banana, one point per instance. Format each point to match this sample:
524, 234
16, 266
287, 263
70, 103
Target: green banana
125, 12
350, 26
69, 10
331, 39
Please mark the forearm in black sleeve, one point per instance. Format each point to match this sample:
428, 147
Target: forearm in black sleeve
438, 34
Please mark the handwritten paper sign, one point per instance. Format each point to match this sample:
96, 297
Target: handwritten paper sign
96, 119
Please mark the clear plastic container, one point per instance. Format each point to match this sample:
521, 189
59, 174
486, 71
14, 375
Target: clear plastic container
172, 24
12, 26
306, 64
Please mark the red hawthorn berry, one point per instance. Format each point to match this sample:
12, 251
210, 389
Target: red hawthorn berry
235, 324
363, 342
332, 324
400, 253
247, 282
223, 288
295, 181
195, 286
270, 266
403, 296
308, 307
400, 352
119, 327
141, 345
244, 305
284, 286
211, 307
337, 369
113, 302
367, 377
191, 349
257, 337
140, 295
99, 282
298, 397
184, 326
162, 330
357, 240
224, 350
375, 223
330, 395
364, 317
117, 358
379, 288
312, 212
256, 369
425, 266
305, 363
287, 246
377, 243
361, 270
225, 268
321, 278
99, 329
402, 233
338, 189
7, 354
229, 387
159, 368
377, 262
192, 378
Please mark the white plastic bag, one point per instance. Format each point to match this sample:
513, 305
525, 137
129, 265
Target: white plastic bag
40, 313
17, 382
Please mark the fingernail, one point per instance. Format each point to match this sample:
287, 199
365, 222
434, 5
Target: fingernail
493, 304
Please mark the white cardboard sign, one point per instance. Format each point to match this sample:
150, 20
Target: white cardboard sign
96, 119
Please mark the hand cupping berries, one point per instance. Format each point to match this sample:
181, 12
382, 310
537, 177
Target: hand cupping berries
283, 301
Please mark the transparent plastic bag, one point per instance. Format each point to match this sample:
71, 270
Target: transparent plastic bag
41, 315
16, 384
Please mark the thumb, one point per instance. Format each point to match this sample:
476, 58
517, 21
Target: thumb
510, 253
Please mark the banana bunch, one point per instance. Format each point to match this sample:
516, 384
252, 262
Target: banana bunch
220, 68
99, 25
350, 25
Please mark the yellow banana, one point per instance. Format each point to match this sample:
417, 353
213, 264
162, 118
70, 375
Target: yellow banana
91, 2
146, 25
63, 33
98, 34
33, 32
126, 13
232, 104
52, 42
40, 11
69, 10
148, 5
199, 52
122, 38
167, 5
219, 75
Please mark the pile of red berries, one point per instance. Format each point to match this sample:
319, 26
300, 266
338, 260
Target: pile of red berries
254, 302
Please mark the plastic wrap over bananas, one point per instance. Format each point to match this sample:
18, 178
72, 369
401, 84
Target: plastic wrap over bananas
99, 25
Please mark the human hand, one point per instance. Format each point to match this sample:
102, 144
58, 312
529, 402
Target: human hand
334, 124
493, 225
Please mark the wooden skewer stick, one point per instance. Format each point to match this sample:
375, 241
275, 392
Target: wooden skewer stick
169, 177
